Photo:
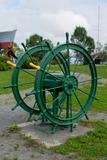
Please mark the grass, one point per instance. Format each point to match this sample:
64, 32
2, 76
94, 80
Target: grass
14, 128
5, 76
101, 69
8, 158
97, 106
92, 146
5, 80
29, 142
101, 104
16, 146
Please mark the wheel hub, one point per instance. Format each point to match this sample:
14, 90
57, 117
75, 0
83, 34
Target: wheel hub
70, 84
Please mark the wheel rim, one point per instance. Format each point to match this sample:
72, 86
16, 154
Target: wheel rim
26, 99
73, 85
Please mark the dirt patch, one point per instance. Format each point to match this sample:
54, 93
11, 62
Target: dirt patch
42, 133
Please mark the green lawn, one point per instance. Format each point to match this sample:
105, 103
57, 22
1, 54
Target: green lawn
101, 105
5, 80
92, 146
5, 76
101, 70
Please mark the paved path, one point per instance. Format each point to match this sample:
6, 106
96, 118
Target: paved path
8, 117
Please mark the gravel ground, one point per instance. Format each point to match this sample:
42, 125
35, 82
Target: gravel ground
13, 146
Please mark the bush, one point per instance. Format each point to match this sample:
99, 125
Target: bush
3, 65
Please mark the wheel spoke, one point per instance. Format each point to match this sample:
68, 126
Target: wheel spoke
50, 89
25, 71
56, 58
69, 107
53, 88
68, 55
75, 68
86, 81
19, 84
88, 94
60, 66
81, 106
51, 74
22, 100
22, 84
35, 74
89, 80
34, 106
30, 93
84, 92
66, 60
30, 57
17, 105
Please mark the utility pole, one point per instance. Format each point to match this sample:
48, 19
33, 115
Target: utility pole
98, 36
98, 23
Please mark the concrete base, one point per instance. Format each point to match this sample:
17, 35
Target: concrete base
42, 133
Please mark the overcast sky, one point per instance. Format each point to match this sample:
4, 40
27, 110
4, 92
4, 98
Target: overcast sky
52, 18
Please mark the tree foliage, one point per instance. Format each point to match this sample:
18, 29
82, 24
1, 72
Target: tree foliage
90, 43
80, 34
33, 40
37, 39
3, 63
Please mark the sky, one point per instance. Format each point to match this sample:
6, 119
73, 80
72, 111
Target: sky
53, 18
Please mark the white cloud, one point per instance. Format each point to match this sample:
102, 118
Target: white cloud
50, 25
58, 23
63, 21
48, 18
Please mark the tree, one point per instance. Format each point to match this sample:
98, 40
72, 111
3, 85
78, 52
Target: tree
90, 43
105, 48
80, 34
37, 40
33, 40
45, 41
